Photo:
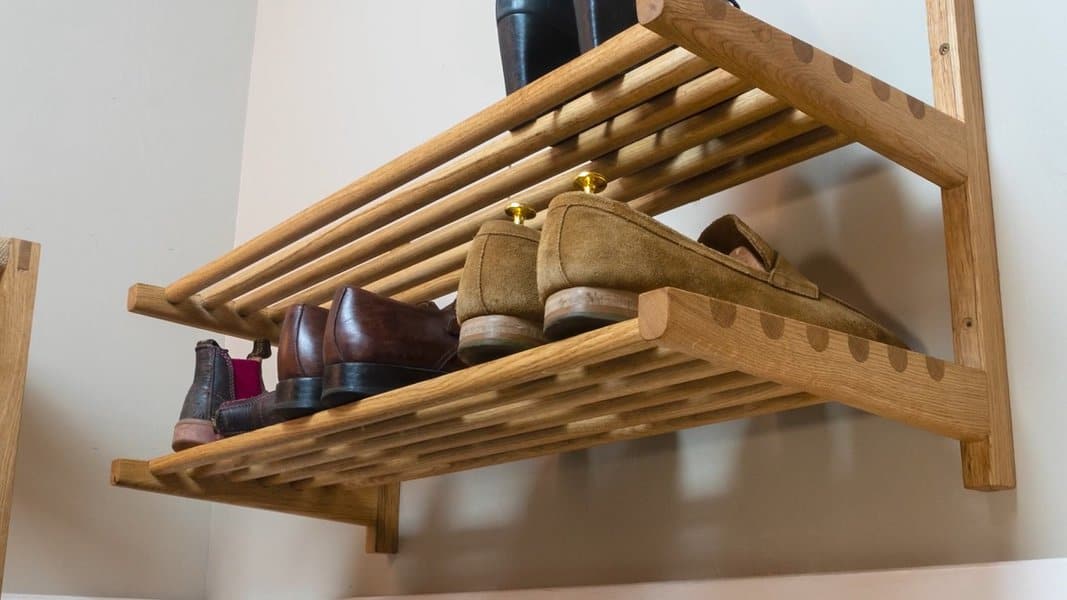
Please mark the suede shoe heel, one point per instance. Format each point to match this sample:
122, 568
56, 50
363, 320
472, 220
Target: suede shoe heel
300, 362
496, 303
596, 255
374, 344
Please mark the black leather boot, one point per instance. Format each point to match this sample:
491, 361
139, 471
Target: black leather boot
536, 36
212, 385
599, 20
249, 414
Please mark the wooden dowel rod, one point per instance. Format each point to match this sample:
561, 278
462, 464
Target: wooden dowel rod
344, 503
615, 56
710, 124
149, 300
427, 270
294, 455
431, 290
643, 419
478, 430
643, 83
715, 153
596, 346
755, 409
794, 151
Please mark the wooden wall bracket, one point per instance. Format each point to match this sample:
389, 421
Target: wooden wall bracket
19, 263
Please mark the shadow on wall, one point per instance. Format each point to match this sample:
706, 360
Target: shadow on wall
819, 489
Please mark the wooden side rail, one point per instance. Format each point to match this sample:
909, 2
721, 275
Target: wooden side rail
19, 262
903, 128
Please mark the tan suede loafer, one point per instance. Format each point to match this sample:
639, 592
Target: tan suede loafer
497, 303
596, 255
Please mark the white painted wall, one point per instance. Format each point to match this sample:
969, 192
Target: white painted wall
339, 87
120, 142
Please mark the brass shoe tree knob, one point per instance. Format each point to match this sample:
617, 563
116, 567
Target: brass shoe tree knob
591, 182
520, 213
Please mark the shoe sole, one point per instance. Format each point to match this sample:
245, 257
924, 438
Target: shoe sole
577, 310
345, 383
297, 397
489, 337
189, 433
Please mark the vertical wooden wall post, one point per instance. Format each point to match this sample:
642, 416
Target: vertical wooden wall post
970, 240
18, 285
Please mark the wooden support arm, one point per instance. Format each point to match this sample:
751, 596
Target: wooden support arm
148, 300
904, 129
894, 383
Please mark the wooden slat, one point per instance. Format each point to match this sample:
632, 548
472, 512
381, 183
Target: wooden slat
751, 167
505, 420
691, 97
343, 503
339, 445
660, 75
894, 383
149, 300
970, 242
655, 202
603, 344
615, 56
632, 432
901, 127
19, 263
423, 272
435, 288
531, 430
642, 154
644, 421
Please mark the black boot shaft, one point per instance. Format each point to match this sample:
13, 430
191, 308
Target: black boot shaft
599, 20
535, 36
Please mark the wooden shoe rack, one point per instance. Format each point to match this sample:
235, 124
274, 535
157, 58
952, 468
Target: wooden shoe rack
699, 98
19, 261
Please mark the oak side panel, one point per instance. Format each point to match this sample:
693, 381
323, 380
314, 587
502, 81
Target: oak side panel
901, 127
970, 241
19, 261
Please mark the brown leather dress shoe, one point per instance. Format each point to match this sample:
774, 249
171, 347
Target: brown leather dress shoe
497, 304
374, 344
596, 255
300, 364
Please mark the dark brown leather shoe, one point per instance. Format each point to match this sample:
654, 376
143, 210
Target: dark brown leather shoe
300, 361
248, 414
374, 344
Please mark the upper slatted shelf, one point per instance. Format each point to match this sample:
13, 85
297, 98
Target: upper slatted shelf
662, 123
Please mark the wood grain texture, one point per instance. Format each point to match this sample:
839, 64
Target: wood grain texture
947, 399
904, 129
383, 536
615, 56
440, 420
970, 241
149, 300
18, 289
637, 161
358, 506
645, 82
568, 443
596, 346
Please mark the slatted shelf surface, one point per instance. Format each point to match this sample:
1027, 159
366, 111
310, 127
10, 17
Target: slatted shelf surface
665, 125
678, 365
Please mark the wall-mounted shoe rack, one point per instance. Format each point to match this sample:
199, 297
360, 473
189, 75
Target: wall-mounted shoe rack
700, 98
19, 261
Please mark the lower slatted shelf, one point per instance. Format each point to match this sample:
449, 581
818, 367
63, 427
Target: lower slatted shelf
686, 361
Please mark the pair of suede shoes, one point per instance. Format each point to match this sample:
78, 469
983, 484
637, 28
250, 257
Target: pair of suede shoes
593, 256
364, 344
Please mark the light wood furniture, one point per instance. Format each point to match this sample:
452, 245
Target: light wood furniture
673, 130
19, 261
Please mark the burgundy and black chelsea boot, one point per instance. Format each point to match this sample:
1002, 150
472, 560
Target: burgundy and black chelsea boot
241, 416
374, 344
217, 379
300, 361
